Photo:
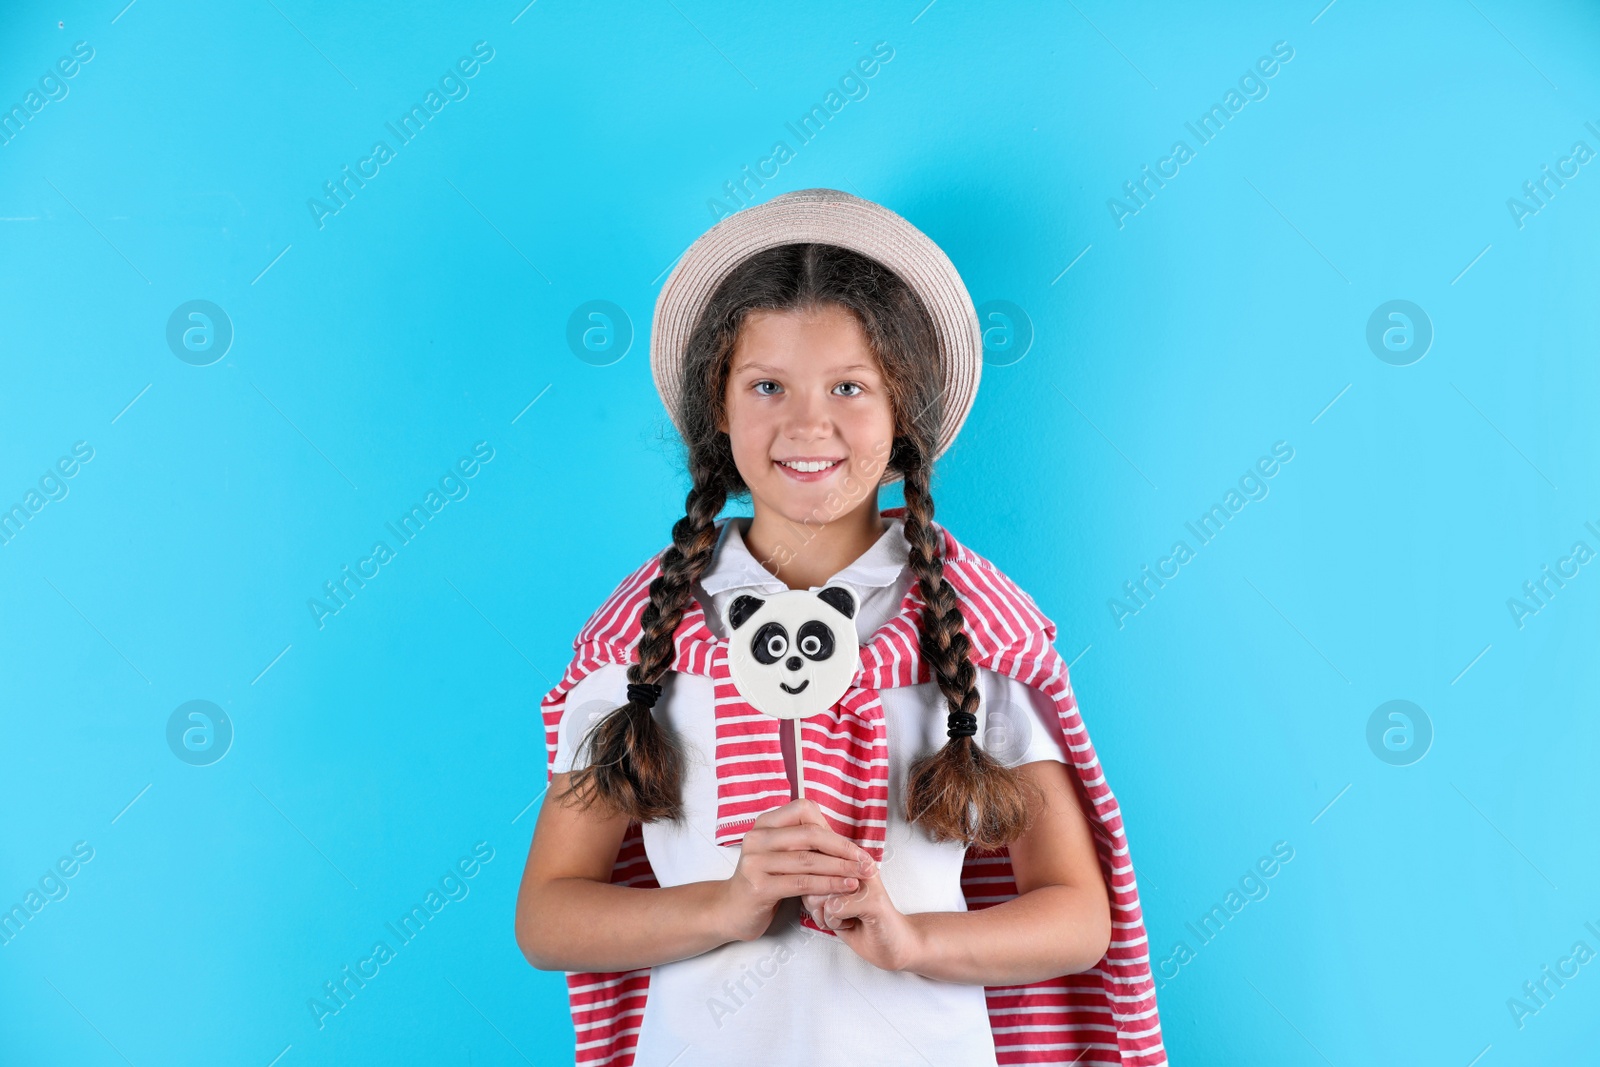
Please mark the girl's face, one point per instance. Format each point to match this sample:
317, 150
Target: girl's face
808, 413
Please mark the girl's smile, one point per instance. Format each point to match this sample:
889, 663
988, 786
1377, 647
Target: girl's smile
808, 469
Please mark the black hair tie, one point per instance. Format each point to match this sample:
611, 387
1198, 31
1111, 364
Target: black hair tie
962, 724
646, 693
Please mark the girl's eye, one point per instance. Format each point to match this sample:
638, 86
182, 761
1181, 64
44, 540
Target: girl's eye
849, 385
766, 382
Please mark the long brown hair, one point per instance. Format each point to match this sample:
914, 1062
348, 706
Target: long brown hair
635, 766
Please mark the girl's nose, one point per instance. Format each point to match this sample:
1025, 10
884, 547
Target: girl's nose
793, 663
808, 418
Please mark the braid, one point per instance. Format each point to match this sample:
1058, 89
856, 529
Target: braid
635, 766
959, 793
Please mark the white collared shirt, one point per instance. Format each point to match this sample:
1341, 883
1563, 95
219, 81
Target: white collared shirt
793, 997
880, 577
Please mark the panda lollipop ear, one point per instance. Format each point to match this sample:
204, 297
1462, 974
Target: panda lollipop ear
841, 598
742, 608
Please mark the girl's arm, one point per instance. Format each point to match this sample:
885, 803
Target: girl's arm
570, 918
1059, 923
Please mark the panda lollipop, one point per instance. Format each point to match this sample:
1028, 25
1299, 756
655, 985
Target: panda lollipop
793, 654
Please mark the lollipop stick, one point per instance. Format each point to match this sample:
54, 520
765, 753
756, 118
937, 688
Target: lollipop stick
799, 761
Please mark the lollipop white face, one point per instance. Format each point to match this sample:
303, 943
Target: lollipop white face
792, 654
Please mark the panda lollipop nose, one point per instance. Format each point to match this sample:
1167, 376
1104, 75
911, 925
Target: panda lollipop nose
793, 663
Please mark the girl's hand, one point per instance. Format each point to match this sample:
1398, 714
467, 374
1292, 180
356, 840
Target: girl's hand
789, 852
869, 923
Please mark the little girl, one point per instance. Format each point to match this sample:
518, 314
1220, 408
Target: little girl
929, 899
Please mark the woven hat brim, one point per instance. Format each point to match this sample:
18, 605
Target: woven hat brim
824, 216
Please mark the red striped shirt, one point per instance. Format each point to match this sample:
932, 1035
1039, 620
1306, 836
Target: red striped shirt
1105, 1015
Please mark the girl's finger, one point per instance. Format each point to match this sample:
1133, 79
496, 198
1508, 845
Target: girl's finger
795, 838
794, 813
841, 911
779, 886
810, 863
849, 905
849, 909
801, 884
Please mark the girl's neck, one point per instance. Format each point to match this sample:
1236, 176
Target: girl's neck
803, 555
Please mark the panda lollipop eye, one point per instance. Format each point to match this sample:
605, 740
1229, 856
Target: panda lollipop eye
770, 643
816, 640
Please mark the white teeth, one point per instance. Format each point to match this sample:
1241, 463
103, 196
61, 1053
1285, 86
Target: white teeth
811, 467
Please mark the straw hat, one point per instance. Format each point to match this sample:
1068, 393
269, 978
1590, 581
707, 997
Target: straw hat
824, 216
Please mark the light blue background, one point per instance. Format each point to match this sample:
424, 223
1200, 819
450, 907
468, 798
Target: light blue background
369, 354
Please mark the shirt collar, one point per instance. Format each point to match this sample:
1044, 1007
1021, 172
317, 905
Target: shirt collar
733, 567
